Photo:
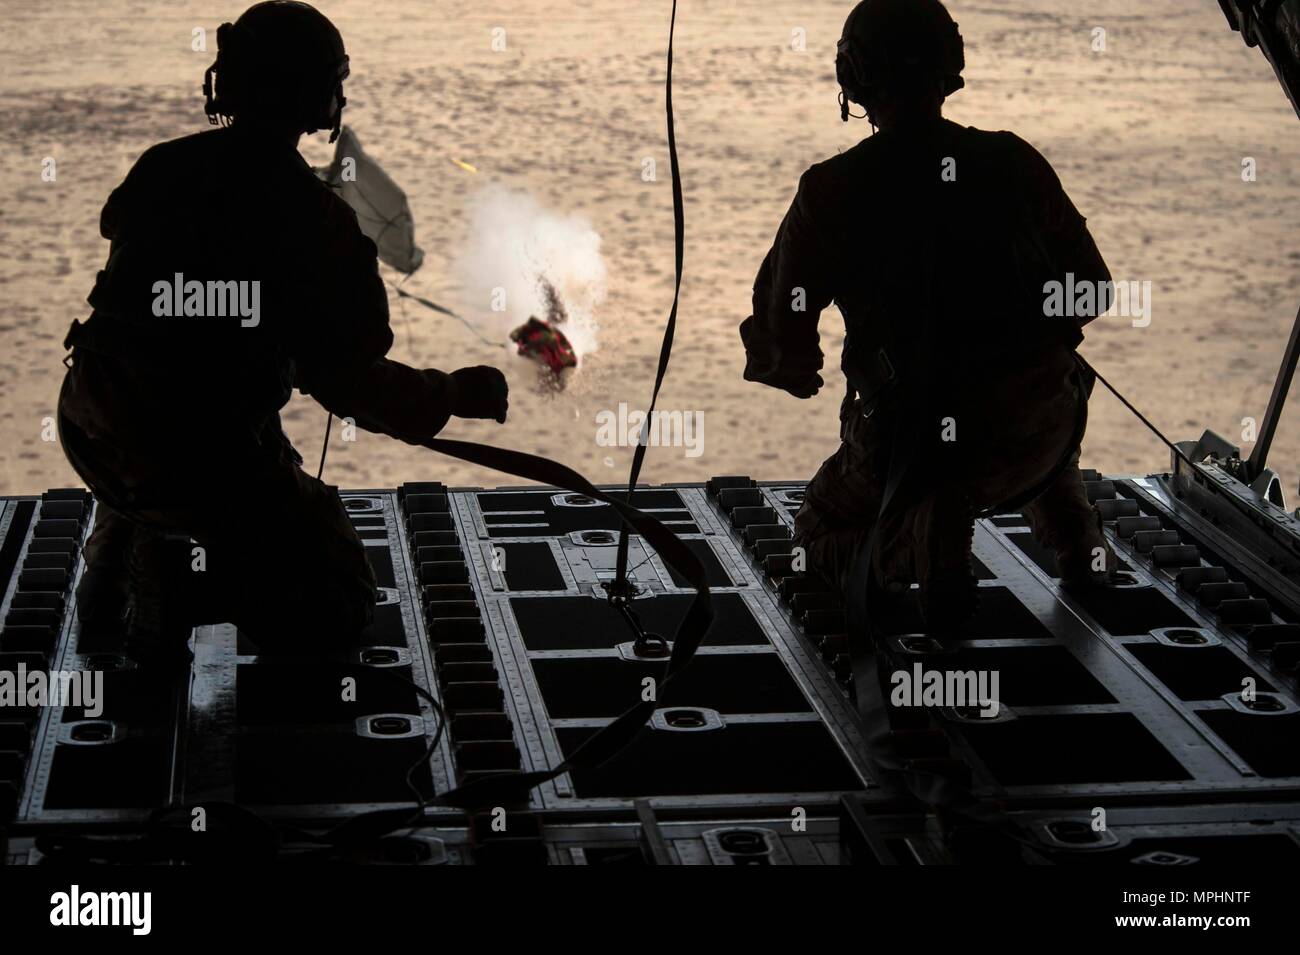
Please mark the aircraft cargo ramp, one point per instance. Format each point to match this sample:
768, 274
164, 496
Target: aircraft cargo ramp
1166, 706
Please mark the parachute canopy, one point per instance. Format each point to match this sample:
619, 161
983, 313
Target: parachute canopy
380, 203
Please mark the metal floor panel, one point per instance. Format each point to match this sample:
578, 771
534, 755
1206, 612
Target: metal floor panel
1259, 835
492, 602
272, 734
1135, 689
785, 737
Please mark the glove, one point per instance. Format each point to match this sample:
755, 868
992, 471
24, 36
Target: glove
804, 384
479, 392
801, 386
763, 364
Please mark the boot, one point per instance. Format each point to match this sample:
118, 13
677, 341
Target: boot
1064, 521
103, 590
943, 533
1087, 560
158, 627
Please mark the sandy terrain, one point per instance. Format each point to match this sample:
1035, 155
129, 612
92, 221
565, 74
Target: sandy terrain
1148, 138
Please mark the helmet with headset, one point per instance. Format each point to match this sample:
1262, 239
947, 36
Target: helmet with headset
281, 59
893, 45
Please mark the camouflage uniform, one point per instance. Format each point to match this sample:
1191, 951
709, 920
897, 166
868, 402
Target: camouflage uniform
887, 234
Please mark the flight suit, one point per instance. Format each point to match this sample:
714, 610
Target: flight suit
936, 243
173, 420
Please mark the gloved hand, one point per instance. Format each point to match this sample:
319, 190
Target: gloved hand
764, 364
804, 384
479, 392
801, 386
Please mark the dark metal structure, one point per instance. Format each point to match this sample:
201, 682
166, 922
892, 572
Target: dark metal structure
1274, 27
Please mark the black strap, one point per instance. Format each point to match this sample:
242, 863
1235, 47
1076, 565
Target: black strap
614, 737
620, 584
605, 743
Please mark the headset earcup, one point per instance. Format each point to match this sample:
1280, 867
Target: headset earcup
322, 117
853, 60
238, 72
213, 105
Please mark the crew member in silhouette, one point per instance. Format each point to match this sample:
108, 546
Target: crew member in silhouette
235, 275
940, 244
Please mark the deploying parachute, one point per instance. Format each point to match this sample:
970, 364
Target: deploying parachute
384, 215
380, 204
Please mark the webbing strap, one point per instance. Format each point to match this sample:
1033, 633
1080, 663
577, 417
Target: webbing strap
666, 348
605, 743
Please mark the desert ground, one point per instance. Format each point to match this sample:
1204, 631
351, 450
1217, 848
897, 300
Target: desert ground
1149, 138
